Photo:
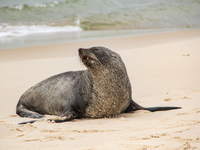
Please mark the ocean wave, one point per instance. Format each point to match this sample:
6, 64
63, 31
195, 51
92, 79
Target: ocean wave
35, 5
21, 30
104, 14
19, 7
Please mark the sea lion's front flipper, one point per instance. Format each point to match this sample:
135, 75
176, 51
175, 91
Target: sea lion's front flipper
161, 108
134, 106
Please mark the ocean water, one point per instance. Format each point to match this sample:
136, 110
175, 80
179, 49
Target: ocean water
25, 17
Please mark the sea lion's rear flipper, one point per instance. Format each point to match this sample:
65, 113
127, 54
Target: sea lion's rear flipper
32, 121
134, 106
67, 116
22, 111
58, 120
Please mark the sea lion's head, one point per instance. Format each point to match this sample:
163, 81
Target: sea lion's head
99, 58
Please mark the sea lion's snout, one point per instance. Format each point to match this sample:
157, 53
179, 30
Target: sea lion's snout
80, 50
84, 56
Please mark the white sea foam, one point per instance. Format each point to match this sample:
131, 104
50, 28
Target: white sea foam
52, 4
19, 7
7, 31
36, 5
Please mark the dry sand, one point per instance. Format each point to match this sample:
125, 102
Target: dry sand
164, 69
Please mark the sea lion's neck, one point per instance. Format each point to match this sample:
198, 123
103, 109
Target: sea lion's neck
109, 81
110, 94
108, 73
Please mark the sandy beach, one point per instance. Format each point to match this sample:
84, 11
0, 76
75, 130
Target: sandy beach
164, 70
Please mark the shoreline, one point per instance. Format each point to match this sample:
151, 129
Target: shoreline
41, 39
163, 69
69, 49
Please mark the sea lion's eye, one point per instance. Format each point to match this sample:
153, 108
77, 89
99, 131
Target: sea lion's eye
95, 49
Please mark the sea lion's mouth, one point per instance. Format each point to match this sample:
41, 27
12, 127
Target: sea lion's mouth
86, 58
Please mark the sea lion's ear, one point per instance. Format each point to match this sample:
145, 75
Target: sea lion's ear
113, 55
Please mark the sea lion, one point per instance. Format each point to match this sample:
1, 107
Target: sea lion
102, 90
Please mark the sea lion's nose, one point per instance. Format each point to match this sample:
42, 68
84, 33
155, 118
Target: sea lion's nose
80, 50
